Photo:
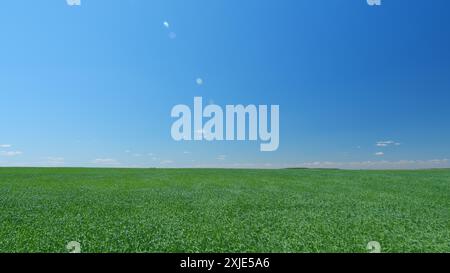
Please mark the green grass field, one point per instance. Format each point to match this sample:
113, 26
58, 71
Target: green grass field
187, 210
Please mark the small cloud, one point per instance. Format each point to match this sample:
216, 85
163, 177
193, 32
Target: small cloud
438, 161
73, 2
150, 154
401, 164
165, 162
199, 81
5, 146
387, 143
166, 24
137, 155
105, 161
127, 151
10, 153
54, 160
379, 154
221, 157
186, 152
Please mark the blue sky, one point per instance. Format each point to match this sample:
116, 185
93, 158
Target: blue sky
358, 86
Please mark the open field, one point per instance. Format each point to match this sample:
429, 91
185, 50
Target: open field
189, 210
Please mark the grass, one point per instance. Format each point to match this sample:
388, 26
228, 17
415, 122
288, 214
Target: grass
188, 210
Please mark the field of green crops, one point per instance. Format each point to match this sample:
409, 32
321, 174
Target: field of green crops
212, 210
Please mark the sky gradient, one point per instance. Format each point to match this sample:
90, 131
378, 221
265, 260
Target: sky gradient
358, 86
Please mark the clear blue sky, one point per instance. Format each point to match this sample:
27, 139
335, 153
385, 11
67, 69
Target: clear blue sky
94, 85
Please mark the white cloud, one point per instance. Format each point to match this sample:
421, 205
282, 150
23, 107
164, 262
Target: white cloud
105, 161
382, 144
222, 157
438, 161
186, 152
401, 164
166, 24
165, 162
379, 154
199, 81
237, 166
73, 2
5, 146
54, 160
10, 153
387, 143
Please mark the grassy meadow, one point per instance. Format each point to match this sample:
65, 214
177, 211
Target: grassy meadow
218, 210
